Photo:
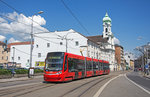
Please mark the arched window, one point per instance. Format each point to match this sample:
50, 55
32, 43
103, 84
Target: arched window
106, 30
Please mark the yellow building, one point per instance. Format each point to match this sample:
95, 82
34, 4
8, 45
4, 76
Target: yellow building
132, 64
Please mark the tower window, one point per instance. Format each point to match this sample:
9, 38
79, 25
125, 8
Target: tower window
106, 30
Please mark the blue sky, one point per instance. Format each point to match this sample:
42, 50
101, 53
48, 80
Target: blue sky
130, 18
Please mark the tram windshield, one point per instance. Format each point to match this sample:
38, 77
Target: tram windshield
54, 61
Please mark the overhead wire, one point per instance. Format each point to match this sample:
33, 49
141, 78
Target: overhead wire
21, 13
15, 10
26, 52
79, 22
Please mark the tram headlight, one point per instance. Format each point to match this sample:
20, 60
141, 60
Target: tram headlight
60, 72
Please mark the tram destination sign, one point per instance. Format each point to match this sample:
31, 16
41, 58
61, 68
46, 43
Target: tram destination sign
54, 57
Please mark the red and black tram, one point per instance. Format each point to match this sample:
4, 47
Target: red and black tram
61, 66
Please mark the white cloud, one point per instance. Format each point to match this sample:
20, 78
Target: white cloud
21, 25
116, 41
2, 38
12, 40
2, 20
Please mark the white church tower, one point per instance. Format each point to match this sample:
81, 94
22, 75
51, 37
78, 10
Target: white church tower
110, 45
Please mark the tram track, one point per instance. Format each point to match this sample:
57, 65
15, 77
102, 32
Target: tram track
93, 83
87, 86
19, 91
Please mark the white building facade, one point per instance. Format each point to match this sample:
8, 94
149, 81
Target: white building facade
58, 41
20, 53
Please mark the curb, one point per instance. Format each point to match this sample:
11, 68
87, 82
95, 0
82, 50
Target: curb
146, 77
18, 79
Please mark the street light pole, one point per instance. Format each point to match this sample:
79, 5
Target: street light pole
67, 40
13, 70
31, 69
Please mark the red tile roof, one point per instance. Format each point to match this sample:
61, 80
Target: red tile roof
98, 39
19, 43
2, 43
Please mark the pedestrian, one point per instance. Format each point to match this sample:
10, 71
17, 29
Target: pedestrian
147, 69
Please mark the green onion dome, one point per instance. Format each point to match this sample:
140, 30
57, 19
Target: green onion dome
107, 18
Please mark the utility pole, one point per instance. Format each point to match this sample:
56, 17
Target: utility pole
31, 69
13, 70
65, 37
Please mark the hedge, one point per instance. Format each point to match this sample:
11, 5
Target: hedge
5, 72
21, 71
18, 71
38, 71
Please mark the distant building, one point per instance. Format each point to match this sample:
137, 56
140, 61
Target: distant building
20, 54
128, 56
119, 57
4, 54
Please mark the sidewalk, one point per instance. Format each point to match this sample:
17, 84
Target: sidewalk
142, 74
18, 79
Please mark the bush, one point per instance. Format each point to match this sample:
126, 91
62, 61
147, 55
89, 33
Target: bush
21, 71
5, 72
38, 71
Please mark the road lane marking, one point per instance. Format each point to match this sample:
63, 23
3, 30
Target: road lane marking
103, 87
19, 85
137, 84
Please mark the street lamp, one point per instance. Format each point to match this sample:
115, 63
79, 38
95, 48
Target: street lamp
13, 70
67, 40
65, 37
31, 69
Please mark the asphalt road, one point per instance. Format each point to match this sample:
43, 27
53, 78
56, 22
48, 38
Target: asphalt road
139, 79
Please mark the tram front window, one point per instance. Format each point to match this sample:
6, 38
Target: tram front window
54, 62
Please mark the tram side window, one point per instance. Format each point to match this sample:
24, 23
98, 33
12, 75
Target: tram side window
99, 65
95, 65
105, 66
71, 64
89, 65
80, 65
65, 67
102, 66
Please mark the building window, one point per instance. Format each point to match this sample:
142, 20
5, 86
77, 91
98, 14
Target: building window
7, 58
39, 55
2, 58
12, 58
48, 44
77, 43
61, 43
28, 60
37, 46
106, 30
18, 58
